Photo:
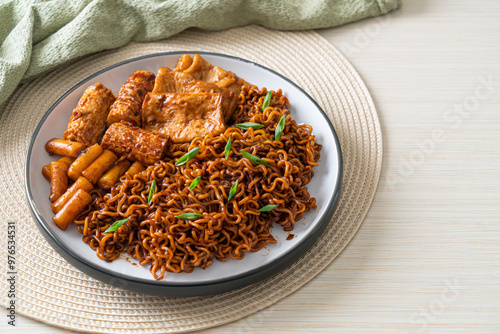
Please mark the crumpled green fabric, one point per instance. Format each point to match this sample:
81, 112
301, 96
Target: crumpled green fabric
37, 36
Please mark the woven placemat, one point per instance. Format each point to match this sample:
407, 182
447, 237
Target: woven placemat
51, 290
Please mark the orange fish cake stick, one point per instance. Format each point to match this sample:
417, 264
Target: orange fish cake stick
113, 174
58, 179
84, 160
64, 147
136, 168
99, 166
81, 183
47, 171
73, 207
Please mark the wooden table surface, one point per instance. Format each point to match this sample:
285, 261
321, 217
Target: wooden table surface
427, 257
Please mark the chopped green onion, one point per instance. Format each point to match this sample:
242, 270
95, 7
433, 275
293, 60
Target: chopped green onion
279, 128
254, 159
227, 150
188, 156
152, 191
247, 125
232, 191
116, 225
194, 183
267, 100
189, 215
267, 208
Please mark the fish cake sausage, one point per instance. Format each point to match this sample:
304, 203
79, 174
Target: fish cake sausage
127, 106
134, 143
88, 120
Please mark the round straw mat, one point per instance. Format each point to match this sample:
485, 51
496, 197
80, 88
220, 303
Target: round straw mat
51, 290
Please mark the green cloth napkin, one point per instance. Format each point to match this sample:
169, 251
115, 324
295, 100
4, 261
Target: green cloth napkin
37, 36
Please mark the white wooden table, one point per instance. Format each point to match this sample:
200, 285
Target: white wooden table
427, 257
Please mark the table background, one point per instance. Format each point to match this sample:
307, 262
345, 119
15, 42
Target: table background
427, 257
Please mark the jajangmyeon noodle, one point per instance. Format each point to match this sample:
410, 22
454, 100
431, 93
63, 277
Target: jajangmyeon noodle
227, 229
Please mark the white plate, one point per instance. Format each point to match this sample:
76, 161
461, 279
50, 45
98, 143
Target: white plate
324, 186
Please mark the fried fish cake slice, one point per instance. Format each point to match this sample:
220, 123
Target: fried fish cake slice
88, 120
201, 69
183, 116
168, 81
165, 82
127, 106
